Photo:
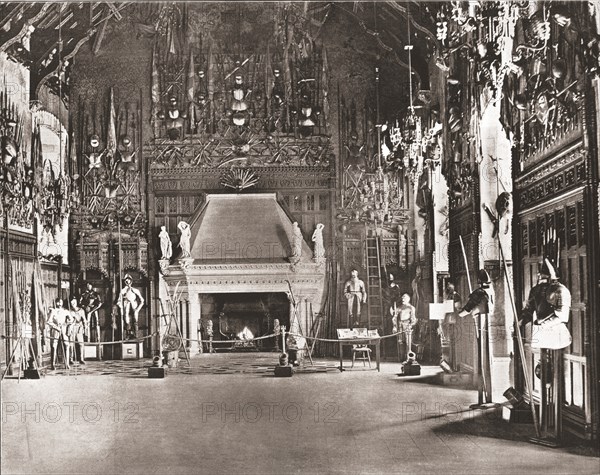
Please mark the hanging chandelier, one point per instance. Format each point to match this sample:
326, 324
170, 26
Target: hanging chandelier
410, 137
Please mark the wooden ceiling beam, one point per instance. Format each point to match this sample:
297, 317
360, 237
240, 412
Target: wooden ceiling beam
16, 32
403, 10
9, 13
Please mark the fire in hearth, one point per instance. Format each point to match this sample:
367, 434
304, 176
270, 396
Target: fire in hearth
245, 334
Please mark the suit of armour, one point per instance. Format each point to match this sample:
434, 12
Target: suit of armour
79, 323
550, 303
90, 301
130, 303
59, 322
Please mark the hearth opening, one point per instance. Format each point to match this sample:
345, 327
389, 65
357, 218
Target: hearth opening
238, 318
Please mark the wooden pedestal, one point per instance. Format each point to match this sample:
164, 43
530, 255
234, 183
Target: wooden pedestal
92, 351
132, 350
284, 371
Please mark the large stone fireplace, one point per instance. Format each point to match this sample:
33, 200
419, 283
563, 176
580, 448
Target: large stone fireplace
245, 315
240, 245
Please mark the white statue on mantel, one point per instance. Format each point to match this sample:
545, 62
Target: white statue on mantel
296, 242
166, 246
319, 248
184, 241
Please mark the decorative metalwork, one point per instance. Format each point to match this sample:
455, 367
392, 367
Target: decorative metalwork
215, 91
110, 177
239, 179
543, 97
411, 142
16, 176
480, 32
246, 149
373, 190
56, 195
214, 108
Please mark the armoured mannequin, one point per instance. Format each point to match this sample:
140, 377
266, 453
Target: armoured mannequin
90, 302
403, 320
130, 303
393, 292
78, 328
355, 293
481, 300
480, 305
548, 309
59, 320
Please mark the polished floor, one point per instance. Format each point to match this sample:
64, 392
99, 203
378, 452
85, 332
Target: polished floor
109, 418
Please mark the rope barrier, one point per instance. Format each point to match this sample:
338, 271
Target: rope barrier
331, 340
7, 337
336, 340
264, 337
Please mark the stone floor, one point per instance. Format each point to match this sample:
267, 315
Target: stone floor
228, 414
217, 363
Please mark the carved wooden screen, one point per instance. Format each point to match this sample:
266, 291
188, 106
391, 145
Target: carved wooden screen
170, 209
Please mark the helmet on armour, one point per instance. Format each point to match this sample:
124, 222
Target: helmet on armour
548, 270
483, 277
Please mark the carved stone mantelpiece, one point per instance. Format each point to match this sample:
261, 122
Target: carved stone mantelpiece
307, 283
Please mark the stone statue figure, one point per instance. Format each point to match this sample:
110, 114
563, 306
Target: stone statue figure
296, 241
319, 248
184, 241
130, 303
165, 243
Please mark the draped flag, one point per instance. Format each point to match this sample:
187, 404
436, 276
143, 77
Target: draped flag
111, 134
325, 86
210, 79
287, 77
155, 91
172, 48
210, 74
190, 93
37, 163
268, 75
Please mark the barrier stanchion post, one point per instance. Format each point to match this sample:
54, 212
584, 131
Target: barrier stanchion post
284, 369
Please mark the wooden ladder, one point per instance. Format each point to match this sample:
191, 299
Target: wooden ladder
375, 308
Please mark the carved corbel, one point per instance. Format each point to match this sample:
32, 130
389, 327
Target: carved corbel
164, 266
185, 264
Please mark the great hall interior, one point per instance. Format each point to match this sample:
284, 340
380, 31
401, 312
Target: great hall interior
381, 190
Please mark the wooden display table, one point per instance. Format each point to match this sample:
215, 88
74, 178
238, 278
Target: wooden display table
359, 336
